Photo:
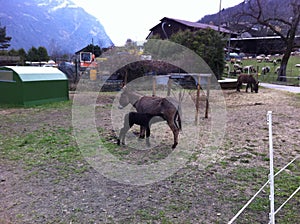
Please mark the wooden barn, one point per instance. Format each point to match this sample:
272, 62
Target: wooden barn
262, 45
169, 26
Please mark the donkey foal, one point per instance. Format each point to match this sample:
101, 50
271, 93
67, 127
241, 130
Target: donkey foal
142, 119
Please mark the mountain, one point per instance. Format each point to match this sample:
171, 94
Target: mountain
59, 25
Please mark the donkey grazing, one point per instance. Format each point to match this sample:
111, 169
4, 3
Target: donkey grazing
250, 80
143, 119
168, 107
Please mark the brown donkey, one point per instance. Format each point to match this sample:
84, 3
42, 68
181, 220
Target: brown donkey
168, 107
250, 80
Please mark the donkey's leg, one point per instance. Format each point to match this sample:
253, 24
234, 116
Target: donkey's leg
119, 138
175, 131
175, 134
142, 132
123, 132
238, 87
147, 136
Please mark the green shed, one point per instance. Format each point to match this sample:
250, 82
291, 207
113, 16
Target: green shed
30, 85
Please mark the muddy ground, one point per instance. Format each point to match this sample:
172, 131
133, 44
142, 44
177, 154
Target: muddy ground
65, 188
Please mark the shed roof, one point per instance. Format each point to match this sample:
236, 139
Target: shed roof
33, 73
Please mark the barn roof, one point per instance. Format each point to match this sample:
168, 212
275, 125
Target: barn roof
34, 73
195, 25
199, 25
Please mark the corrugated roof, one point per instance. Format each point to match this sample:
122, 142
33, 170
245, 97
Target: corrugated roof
195, 25
33, 73
198, 25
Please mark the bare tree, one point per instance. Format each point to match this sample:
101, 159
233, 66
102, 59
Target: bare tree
270, 14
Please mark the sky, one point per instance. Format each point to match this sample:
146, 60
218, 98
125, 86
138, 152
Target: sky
132, 19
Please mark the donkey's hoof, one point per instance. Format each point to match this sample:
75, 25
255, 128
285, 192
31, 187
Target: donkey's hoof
174, 145
120, 143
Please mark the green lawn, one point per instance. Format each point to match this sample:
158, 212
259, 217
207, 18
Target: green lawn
292, 71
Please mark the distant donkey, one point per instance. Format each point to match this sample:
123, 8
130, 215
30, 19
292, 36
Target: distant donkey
143, 119
250, 80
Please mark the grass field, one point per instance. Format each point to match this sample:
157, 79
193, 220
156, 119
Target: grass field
293, 72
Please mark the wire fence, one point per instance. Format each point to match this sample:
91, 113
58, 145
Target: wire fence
270, 181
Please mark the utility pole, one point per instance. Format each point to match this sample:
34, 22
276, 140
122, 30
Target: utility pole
93, 50
219, 16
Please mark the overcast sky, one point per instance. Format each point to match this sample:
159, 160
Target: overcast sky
123, 19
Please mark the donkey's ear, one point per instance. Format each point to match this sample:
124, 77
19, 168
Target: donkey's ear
126, 88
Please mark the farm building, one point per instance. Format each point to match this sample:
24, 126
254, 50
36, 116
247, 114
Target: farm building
262, 45
30, 85
169, 26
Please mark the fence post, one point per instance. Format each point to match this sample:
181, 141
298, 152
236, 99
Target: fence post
271, 175
153, 85
197, 100
207, 96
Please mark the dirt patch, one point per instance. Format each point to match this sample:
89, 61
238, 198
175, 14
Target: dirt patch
55, 184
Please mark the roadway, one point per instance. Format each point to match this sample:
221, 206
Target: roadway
293, 89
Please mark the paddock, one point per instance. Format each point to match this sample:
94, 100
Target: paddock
45, 178
194, 81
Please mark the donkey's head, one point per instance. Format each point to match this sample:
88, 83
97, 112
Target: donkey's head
124, 99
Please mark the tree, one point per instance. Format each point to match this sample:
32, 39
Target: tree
207, 43
32, 54
13, 52
130, 44
42, 54
39, 54
54, 49
4, 40
270, 15
22, 54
